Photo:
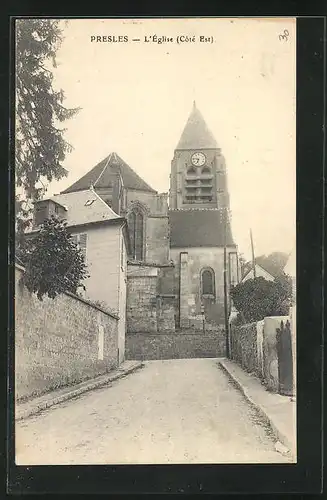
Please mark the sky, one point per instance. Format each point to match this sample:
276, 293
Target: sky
136, 98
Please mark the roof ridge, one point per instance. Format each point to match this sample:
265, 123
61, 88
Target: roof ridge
102, 173
102, 201
104, 168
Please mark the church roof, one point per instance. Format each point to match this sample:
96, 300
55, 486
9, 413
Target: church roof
196, 134
198, 228
102, 176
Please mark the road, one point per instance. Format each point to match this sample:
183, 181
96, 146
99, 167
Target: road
175, 411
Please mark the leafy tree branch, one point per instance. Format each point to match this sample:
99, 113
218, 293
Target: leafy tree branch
40, 145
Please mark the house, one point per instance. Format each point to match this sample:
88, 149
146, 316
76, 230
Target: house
259, 272
103, 237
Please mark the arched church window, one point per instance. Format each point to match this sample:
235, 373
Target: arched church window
136, 233
205, 170
208, 282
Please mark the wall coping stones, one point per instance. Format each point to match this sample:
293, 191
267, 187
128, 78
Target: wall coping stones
89, 303
81, 299
149, 264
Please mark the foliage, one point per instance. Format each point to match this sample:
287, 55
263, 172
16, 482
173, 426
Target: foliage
40, 147
54, 264
258, 298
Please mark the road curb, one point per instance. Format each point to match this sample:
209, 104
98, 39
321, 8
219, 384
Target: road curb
278, 435
94, 384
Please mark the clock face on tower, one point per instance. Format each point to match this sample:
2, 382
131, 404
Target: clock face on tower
198, 159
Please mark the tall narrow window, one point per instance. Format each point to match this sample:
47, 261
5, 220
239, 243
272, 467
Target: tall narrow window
208, 282
81, 240
136, 233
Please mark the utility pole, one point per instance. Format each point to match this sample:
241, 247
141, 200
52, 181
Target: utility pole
253, 257
225, 284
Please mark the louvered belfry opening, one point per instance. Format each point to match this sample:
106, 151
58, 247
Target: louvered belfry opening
198, 185
136, 233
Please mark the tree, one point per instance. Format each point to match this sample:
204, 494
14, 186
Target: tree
258, 298
40, 146
53, 262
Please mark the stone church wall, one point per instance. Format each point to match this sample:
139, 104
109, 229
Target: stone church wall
155, 209
141, 304
177, 345
151, 305
157, 239
197, 259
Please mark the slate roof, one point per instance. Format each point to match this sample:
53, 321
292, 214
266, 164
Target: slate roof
102, 176
84, 207
198, 228
196, 134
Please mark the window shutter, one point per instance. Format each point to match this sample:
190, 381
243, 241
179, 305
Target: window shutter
80, 240
82, 243
75, 239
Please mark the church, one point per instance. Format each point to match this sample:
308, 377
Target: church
181, 247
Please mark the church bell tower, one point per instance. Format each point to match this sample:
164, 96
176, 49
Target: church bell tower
198, 170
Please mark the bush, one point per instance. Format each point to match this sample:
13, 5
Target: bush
53, 262
258, 298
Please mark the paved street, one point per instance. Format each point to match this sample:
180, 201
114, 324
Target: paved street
175, 411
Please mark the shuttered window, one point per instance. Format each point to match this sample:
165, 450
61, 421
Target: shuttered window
81, 242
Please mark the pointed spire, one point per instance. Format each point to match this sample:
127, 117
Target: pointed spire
196, 134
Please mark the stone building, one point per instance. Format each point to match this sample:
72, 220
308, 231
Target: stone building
199, 224
178, 253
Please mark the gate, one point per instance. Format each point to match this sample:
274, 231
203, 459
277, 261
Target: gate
285, 360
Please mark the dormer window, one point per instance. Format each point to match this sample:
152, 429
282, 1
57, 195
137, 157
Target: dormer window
89, 202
